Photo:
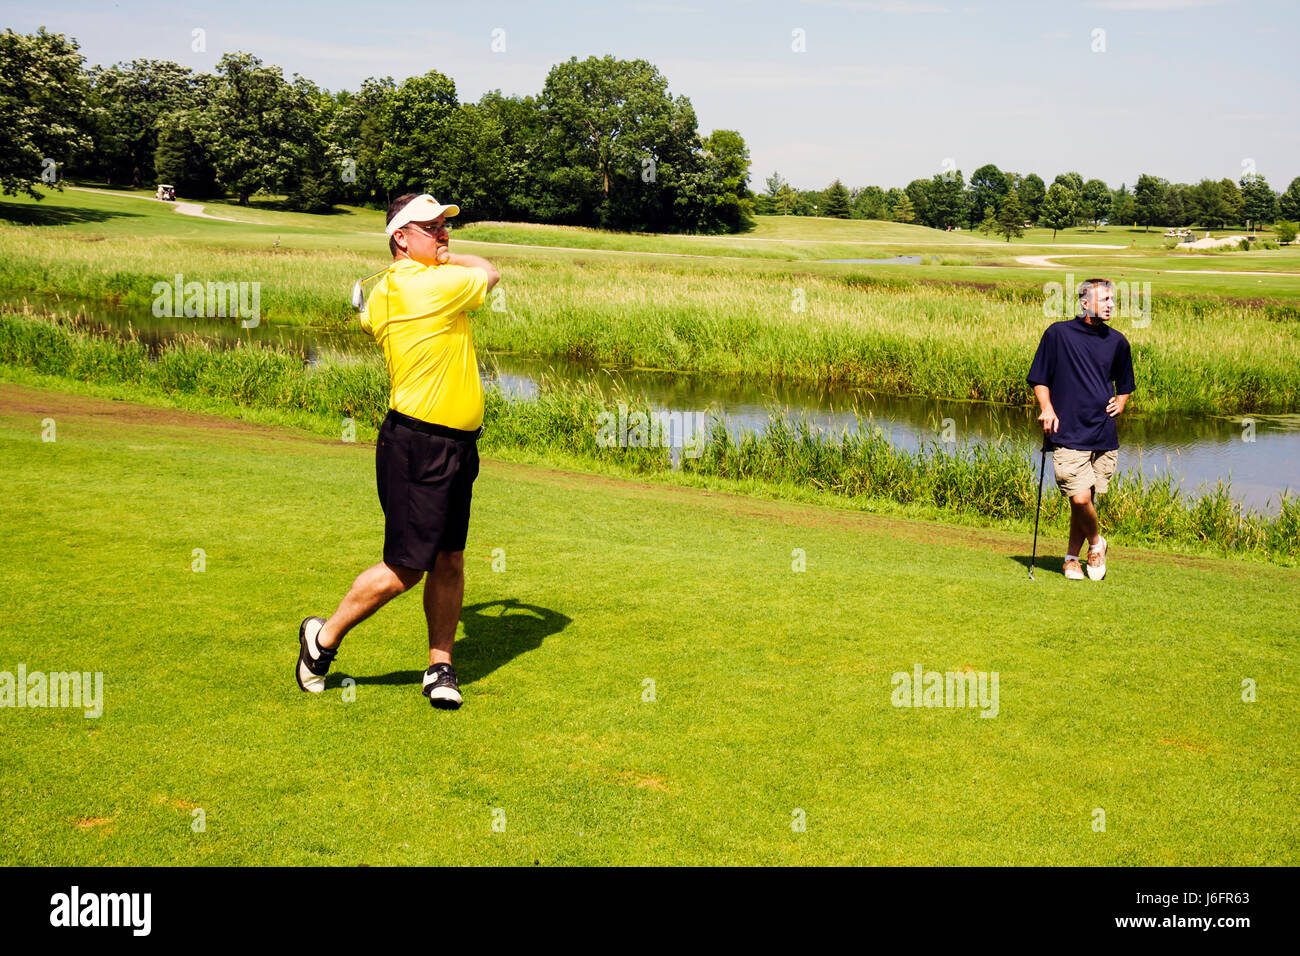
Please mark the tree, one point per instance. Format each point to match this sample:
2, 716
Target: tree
1258, 201
418, 122
871, 203
258, 128
947, 200
1149, 199
918, 190
1124, 209
989, 224
716, 197
615, 133
1011, 217
1285, 231
1031, 193
987, 187
317, 181
904, 211
1074, 183
1288, 204
808, 202
353, 140
1232, 200
1179, 205
1095, 201
42, 109
1059, 208
182, 160
1208, 204
130, 105
837, 201
785, 200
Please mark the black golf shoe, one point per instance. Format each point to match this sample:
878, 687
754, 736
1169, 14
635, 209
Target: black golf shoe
441, 688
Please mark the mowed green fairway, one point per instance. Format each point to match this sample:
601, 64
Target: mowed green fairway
771, 687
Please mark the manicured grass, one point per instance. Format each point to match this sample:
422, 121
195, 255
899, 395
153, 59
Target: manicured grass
771, 687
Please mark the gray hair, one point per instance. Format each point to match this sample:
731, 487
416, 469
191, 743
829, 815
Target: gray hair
1086, 287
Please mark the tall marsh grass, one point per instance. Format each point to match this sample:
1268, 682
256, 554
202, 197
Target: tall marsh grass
990, 482
951, 340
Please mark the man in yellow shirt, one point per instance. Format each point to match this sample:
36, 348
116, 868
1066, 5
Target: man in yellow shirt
426, 457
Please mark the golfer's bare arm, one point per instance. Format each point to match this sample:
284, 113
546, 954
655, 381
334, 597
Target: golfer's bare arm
461, 259
1047, 414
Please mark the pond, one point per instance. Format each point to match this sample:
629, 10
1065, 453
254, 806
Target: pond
1260, 459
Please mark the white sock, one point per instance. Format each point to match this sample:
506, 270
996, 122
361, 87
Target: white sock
1101, 543
1072, 557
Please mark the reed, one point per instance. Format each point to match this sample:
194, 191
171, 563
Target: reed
995, 483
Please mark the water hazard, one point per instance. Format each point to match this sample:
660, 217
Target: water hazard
1260, 459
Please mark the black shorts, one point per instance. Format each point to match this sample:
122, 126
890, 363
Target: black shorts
425, 483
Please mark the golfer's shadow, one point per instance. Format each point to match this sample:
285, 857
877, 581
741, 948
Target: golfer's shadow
496, 632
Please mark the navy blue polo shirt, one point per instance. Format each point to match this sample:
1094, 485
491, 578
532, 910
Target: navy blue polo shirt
1078, 363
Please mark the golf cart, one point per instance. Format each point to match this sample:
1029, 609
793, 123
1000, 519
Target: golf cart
165, 193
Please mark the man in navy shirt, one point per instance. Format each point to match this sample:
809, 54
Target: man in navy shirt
1077, 363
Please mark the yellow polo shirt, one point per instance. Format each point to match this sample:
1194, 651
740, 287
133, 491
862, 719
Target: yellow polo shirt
417, 315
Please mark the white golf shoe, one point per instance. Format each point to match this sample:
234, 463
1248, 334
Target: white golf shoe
1097, 560
313, 660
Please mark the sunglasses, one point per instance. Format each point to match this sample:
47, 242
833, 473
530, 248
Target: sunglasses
432, 228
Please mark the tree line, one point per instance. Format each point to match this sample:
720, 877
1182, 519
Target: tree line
602, 144
996, 201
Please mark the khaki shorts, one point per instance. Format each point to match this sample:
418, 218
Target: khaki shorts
1079, 471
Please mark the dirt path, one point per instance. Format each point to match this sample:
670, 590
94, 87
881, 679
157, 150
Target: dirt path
196, 209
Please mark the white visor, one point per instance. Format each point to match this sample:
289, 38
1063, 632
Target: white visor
420, 209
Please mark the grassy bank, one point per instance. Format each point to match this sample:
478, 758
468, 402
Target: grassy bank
828, 328
990, 484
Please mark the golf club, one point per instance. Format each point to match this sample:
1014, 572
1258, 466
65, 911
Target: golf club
358, 289
1042, 470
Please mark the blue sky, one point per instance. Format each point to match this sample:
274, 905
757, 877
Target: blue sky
884, 92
